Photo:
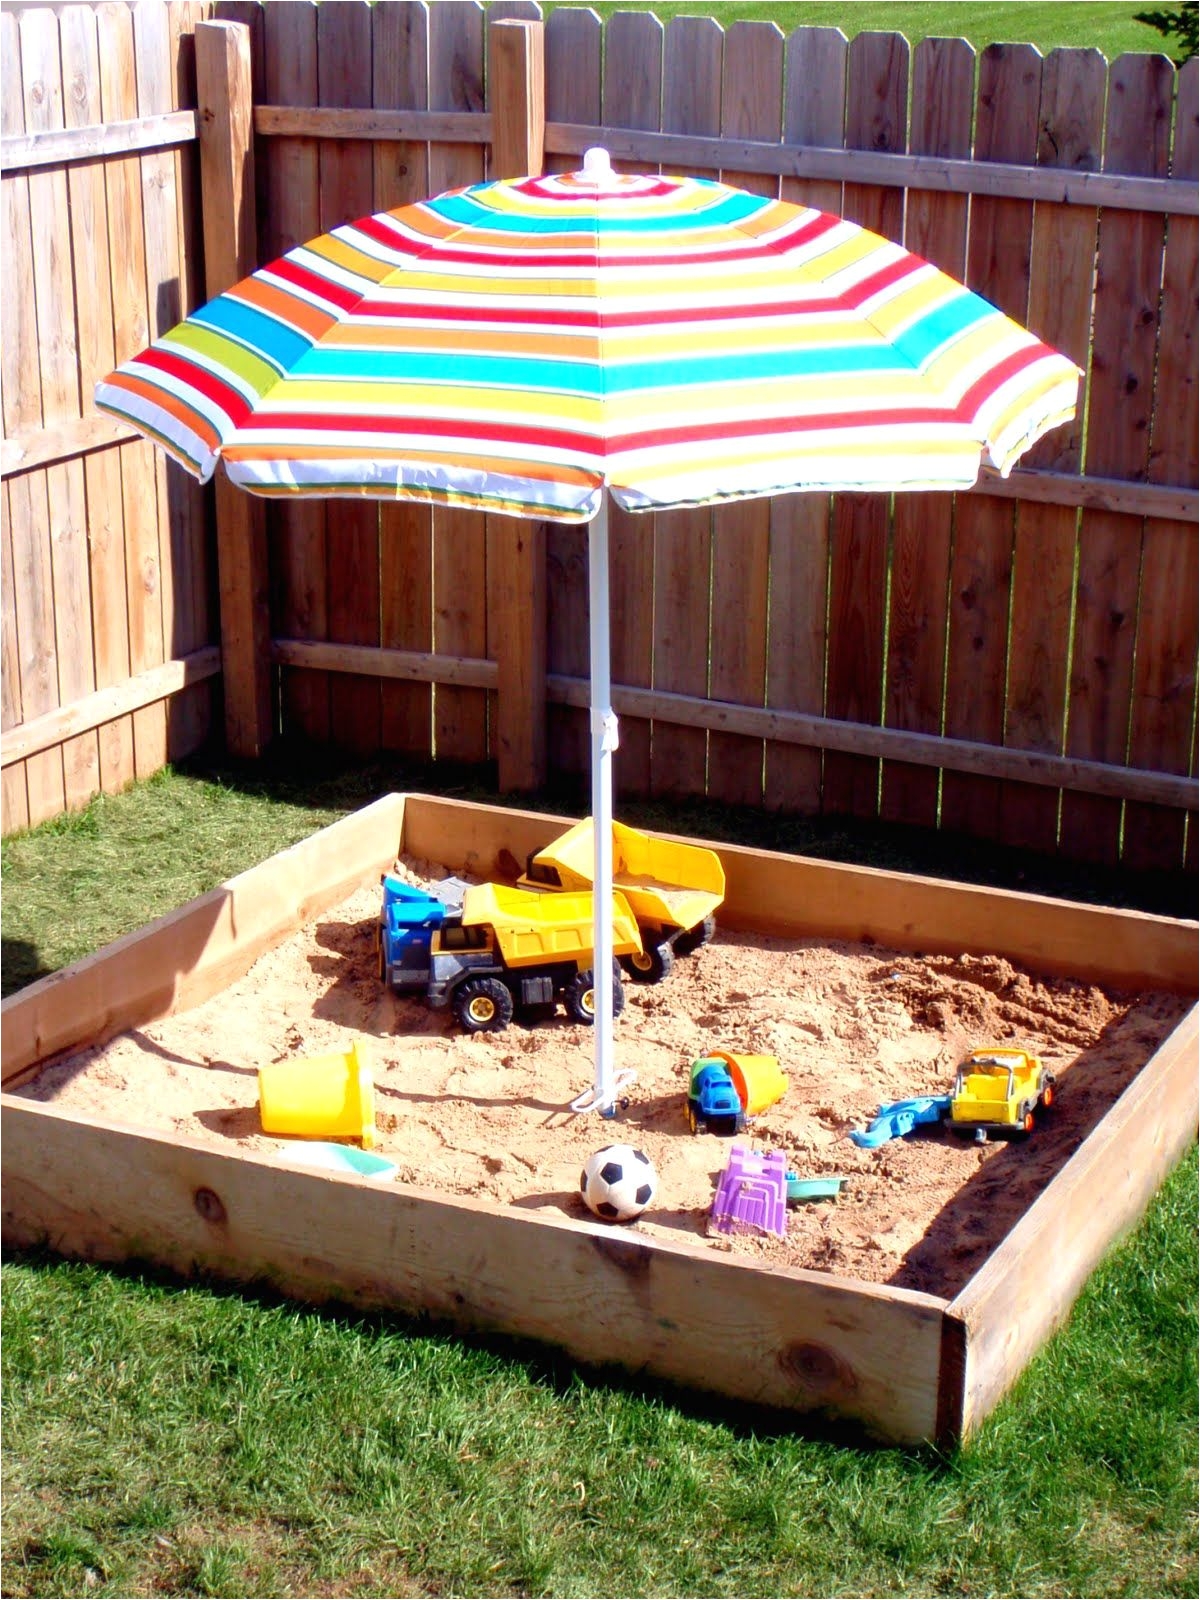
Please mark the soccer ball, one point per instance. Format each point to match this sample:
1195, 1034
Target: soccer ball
618, 1183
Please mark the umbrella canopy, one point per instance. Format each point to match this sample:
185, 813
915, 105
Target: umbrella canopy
534, 346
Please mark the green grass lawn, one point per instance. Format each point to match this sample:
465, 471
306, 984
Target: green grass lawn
1050, 24
163, 1439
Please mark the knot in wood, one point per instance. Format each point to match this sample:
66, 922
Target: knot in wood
210, 1205
818, 1369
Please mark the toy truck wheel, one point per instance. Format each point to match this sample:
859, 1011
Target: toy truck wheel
1025, 1127
483, 1005
652, 964
580, 997
692, 938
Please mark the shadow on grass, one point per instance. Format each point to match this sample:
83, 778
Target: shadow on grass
21, 964
542, 1365
322, 779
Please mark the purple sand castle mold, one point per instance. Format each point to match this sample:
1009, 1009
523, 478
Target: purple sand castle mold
751, 1195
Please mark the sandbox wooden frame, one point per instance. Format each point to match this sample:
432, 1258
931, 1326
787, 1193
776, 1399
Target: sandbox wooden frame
905, 1366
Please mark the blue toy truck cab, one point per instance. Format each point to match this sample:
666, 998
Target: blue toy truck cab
713, 1101
407, 922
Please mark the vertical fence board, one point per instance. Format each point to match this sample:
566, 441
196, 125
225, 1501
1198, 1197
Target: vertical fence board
131, 332
36, 199
998, 262
54, 277
1128, 277
1060, 311
876, 119
936, 228
1164, 686
456, 54
352, 525
14, 803
692, 51
814, 112
291, 215
631, 98
105, 553
751, 108
400, 58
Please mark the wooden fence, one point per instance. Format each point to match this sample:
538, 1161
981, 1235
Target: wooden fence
1017, 663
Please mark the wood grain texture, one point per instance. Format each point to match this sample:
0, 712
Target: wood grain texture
876, 119
352, 580
456, 72
691, 103
1162, 722
998, 267
936, 228
1120, 406
1014, 1303
400, 68
814, 112
291, 216
802, 1342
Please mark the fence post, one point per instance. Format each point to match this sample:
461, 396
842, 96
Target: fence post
224, 99
516, 548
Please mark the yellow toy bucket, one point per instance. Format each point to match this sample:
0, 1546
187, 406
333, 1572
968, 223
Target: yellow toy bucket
759, 1080
320, 1097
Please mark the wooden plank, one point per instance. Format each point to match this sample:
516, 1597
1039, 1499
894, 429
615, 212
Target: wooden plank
752, 108
516, 547
1014, 1303
135, 518
936, 228
191, 953
802, 1342
1164, 682
408, 666
876, 118
1120, 407
55, 292
997, 180
384, 127
298, 532
691, 103
71, 437
400, 67
768, 892
1174, 503
352, 525
57, 146
998, 267
456, 70
856, 738
1044, 550
73, 720
516, 96
14, 801
573, 41
814, 110
23, 406
223, 73
160, 218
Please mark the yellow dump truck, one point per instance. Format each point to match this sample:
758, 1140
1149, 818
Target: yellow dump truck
673, 889
997, 1090
503, 948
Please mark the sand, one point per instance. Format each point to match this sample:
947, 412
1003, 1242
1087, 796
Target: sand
487, 1116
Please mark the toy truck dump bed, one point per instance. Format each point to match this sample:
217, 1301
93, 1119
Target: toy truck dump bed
533, 928
672, 888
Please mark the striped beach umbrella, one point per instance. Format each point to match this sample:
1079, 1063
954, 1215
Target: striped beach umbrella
537, 346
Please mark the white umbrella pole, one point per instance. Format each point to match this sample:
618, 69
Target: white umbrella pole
604, 742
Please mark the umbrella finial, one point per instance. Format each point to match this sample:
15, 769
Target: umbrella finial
597, 166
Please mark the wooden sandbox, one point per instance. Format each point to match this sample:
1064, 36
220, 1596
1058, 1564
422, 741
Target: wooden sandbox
906, 1365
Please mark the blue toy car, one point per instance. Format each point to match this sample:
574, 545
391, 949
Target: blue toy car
714, 1104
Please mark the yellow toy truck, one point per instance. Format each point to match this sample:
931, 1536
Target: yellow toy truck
504, 948
996, 1091
672, 889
